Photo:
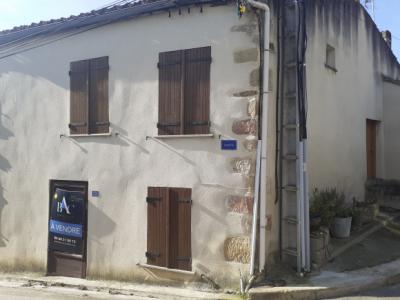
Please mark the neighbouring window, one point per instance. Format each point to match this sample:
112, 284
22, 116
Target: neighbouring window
330, 58
89, 96
184, 92
169, 227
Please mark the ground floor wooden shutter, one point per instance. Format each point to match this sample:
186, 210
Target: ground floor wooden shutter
170, 93
156, 230
98, 99
79, 89
169, 227
180, 255
197, 90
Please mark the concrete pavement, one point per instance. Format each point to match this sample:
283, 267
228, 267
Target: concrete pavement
390, 292
57, 293
20, 285
327, 284
334, 284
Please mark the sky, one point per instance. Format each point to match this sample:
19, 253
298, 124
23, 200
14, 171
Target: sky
22, 12
387, 17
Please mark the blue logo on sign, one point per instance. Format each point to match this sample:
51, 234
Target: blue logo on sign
228, 144
63, 206
68, 229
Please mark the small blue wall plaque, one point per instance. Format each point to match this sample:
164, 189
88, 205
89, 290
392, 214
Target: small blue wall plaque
95, 194
229, 144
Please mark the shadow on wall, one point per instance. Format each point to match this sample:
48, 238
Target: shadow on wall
3, 203
119, 137
123, 135
104, 225
5, 166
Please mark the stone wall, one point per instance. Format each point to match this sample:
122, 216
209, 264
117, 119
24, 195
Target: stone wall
377, 190
237, 248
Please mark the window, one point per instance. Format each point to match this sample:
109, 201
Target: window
330, 58
89, 96
184, 92
169, 227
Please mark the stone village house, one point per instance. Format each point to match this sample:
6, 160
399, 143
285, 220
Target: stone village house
128, 135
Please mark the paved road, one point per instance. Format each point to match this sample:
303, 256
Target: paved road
56, 293
392, 292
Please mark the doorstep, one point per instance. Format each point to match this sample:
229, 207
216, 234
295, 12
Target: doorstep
167, 274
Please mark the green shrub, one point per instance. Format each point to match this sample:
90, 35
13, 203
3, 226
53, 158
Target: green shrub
344, 212
325, 204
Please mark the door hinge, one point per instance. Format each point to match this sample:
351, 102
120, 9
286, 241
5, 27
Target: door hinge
152, 254
168, 124
189, 201
189, 259
73, 125
199, 123
167, 64
103, 123
152, 199
76, 72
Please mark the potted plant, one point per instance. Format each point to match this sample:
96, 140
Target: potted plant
342, 223
322, 210
322, 213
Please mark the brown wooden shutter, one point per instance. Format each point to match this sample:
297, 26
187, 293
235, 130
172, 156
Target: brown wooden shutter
169, 228
79, 91
98, 99
157, 199
197, 90
180, 253
170, 93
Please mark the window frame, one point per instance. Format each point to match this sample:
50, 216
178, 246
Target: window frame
190, 81
330, 57
89, 96
169, 228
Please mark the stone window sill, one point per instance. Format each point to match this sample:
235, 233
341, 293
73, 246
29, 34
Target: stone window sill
109, 134
331, 68
181, 136
146, 266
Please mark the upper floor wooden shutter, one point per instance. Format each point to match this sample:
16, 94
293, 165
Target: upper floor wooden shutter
98, 99
79, 93
197, 90
184, 91
170, 93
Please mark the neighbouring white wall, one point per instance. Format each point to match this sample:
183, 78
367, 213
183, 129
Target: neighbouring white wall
34, 107
391, 113
340, 102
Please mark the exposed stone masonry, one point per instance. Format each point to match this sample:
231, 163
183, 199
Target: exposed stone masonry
237, 248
